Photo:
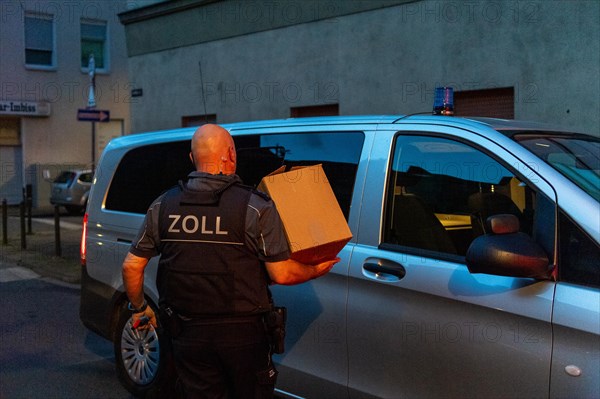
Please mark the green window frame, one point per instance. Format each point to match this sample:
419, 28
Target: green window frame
94, 41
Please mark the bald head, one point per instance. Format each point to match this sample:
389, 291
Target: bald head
213, 150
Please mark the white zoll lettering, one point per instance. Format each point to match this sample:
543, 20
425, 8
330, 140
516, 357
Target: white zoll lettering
219, 231
194, 220
204, 230
190, 224
172, 228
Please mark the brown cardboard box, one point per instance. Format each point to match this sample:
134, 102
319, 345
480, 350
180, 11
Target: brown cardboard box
315, 226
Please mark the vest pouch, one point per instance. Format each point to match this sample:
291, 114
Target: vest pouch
200, 293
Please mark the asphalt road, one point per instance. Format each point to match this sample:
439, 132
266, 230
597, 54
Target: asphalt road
45, 351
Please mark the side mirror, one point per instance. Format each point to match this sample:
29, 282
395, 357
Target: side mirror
507, 252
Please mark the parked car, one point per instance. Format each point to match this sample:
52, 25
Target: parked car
71, 189
473, 271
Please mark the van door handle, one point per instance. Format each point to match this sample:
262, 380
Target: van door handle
384, 270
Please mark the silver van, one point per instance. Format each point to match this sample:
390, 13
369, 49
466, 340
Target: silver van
474, 268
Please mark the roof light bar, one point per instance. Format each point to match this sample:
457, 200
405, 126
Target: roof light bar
443, 103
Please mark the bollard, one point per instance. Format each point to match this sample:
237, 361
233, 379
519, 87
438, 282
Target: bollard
4, 222
29, 229
29, 202
57, 244
22, 217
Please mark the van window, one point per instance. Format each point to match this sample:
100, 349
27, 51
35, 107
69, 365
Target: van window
440, 193
576, 157
146, 172
579, 255
338, 152
65, 178
86, 177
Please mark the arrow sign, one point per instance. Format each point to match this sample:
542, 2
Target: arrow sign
93, 115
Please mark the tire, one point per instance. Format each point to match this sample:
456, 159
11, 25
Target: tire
143, 359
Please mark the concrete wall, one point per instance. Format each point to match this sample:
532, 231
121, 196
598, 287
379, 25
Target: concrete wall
181, 23
385, 61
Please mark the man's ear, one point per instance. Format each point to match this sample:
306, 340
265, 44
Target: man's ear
192, 158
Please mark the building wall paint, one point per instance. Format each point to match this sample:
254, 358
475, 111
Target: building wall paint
181, 23
386, 61
60, 140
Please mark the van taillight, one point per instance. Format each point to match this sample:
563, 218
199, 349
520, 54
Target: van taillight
83, 247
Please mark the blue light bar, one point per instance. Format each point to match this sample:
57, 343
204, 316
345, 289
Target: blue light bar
443, 104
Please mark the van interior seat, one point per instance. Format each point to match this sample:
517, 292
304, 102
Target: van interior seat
482, 205
415, 225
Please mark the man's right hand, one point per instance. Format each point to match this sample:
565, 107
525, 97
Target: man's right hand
325, 267
290, 272
151, 317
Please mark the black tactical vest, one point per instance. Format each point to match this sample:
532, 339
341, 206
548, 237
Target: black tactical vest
205, 268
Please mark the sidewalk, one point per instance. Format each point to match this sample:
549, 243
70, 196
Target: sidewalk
40, 254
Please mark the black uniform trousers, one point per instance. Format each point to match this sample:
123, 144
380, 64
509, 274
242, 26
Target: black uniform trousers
229, 359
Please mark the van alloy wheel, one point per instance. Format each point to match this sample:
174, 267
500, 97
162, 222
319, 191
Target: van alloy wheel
143, 359
140, 354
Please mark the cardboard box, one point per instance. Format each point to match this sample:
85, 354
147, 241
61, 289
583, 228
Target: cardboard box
314, 224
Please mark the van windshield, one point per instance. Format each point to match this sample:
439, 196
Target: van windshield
577, 157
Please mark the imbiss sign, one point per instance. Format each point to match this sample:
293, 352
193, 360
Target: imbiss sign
24, 108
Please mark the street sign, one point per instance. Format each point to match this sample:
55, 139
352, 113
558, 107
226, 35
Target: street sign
93, 115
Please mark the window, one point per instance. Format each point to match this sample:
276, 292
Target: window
493, 103
93, 41
315, 110
440, 193
577, 157
338, 152
65, 178
579, 255
146, 172
39, 41
10, 132
86, 178
198, 120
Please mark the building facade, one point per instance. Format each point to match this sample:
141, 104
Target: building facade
205, 60
45, 80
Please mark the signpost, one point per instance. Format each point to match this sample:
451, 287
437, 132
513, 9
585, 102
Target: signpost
93, 115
